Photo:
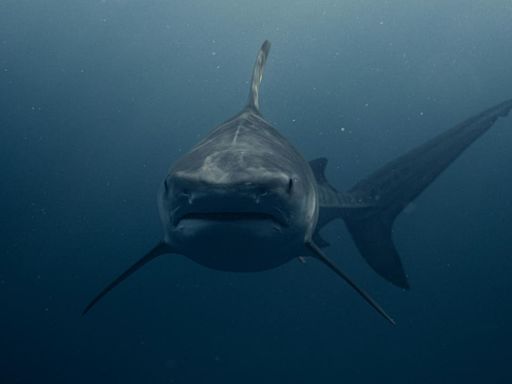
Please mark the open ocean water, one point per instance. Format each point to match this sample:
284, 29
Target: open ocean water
98, 98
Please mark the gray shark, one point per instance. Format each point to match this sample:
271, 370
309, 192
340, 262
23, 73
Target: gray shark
244, 199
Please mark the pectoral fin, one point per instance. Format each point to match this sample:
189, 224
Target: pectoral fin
159, 249
320, 255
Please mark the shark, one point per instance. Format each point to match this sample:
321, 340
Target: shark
244, 199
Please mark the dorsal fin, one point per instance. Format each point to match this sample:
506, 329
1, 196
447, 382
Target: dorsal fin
257, 75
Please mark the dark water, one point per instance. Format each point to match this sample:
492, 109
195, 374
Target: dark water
98, 98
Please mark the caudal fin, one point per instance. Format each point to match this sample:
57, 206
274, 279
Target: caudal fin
257, 75
371, 206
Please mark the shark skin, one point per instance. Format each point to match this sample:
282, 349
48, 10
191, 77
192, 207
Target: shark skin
245, 200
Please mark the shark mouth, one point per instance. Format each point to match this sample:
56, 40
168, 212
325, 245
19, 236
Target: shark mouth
233, 216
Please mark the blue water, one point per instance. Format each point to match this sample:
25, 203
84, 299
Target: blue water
98, 98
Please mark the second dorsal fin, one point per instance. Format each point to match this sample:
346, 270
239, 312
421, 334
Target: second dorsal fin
257, 75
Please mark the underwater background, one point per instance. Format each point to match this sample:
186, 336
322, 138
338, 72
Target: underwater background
98, 98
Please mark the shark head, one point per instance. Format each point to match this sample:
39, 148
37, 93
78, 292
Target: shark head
239, 199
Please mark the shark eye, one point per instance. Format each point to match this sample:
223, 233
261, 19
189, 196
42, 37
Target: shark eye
290, 185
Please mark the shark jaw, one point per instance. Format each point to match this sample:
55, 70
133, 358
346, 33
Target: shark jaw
247, 243
240, 217
235, 230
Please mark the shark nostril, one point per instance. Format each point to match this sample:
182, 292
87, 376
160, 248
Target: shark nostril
290, 185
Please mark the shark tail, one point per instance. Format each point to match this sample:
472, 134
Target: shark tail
257, 75
370, 208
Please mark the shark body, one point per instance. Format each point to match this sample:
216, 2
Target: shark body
244, 199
